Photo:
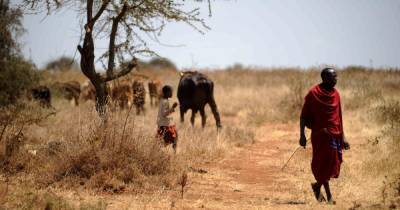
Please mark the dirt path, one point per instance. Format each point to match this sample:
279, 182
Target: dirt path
249, 178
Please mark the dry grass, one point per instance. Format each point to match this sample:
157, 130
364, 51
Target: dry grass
73, 150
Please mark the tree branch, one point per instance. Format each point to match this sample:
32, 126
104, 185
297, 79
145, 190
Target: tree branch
111, 48
123, 72
98, 14
89, 11
136, 6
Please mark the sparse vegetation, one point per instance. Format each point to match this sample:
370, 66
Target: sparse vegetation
73, 151
66, 157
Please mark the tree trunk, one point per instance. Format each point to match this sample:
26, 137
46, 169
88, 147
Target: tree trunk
101, 98
88, 69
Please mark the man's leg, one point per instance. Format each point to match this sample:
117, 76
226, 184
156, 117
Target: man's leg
317, 191
174, 145
328, 193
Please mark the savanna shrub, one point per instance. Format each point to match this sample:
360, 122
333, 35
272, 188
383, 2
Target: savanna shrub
16, 76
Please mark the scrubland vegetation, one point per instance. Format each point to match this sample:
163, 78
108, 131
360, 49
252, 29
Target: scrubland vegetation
47, 154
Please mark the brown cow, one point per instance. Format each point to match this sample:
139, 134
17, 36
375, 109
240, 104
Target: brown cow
154, 91
121, 95
70, 90
88, 92
139, 95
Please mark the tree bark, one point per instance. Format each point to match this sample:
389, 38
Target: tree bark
101, 98
87, 56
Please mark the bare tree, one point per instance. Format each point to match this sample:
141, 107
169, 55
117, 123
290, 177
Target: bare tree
124, 23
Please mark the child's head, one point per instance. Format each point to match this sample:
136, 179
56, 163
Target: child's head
167, 91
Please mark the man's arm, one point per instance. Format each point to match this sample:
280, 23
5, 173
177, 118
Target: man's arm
303, 139
169, 111
346, 144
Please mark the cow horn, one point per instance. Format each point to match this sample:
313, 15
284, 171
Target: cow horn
181, 73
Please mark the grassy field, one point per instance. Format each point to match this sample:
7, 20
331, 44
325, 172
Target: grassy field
65, 158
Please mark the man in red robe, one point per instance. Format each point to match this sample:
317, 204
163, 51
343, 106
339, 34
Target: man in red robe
322, 114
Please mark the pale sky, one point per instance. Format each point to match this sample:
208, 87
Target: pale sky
267, 33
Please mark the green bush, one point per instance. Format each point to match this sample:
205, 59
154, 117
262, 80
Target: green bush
161, 63
16, 76
62, 64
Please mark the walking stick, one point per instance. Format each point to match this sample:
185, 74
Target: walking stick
290, 157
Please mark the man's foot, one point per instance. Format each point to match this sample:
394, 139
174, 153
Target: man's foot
331, 202
317, 192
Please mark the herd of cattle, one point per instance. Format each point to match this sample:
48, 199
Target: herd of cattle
121, 94
195, 91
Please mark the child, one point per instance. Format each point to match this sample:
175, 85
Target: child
166, 126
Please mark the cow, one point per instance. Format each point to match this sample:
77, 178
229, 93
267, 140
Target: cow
195, 90
154, 91
121, 95
70, 90
139, 95
42, 94
88, 91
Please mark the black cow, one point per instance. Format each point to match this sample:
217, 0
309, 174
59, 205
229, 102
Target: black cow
42, 94
195, 90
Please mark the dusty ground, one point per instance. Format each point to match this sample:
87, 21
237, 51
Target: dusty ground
249, 177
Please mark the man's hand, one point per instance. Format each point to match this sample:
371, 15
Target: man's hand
303, 140
346, 145
174, 105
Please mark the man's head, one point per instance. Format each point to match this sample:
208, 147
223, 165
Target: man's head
328, 76
167, 91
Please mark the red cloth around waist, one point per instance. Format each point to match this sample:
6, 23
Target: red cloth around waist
167, 133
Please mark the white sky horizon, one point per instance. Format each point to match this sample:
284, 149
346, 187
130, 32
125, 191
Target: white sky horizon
260, 33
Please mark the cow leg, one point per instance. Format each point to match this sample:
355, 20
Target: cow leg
76, 98
193, 116
203, 117
215, 112
48, 100
137, 109
182, 112
156, 101
143, 109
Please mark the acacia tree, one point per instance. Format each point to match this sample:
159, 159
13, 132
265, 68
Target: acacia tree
123, 23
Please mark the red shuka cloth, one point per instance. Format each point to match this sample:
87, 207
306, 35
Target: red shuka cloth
321, 110
168, 134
